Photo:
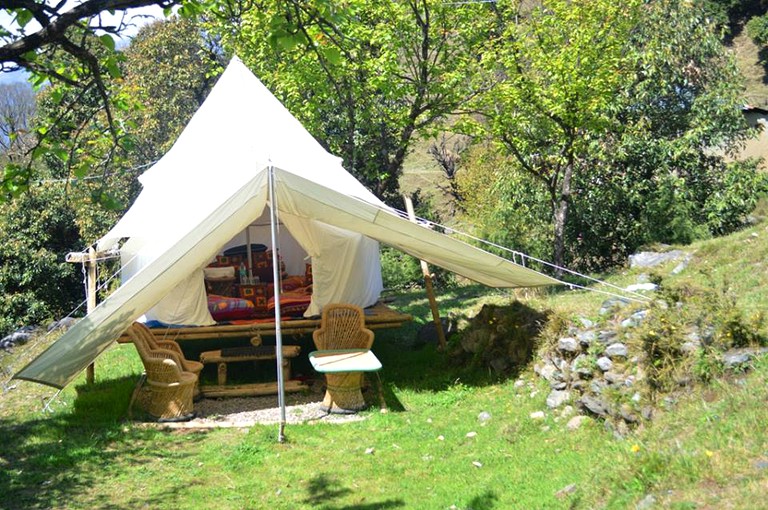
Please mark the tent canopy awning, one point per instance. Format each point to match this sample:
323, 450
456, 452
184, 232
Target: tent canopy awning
297, 197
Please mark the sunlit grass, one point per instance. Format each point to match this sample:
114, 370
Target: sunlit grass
432, 450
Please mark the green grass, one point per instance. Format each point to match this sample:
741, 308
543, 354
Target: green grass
707, 450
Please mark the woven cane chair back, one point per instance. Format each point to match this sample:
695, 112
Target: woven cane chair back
342, 327
160, 365
153, 344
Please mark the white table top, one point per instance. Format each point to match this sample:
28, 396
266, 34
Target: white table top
344, 360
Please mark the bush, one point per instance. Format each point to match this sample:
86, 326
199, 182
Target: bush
757, 29
639, 202
37, 230
399, 270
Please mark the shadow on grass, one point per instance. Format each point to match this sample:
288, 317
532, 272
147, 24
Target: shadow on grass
323, 490
485, 501
50, 461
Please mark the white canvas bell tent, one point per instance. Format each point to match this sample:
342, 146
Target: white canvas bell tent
212, 185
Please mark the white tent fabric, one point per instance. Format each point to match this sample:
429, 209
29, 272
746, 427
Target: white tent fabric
242, 129
214, 182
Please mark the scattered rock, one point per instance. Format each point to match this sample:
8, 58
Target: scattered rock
477, 463
586, 338
597, 386
594, 405
737, 359
682, 265
428, 332
484, 416
690, 347
586, 323
646, 503
637, 287
606, 337
582, 366
568, 345
537, 415
18, 337
612, 304
652, 259
576, 422
604, 363
471, 434
369, 451
635, 319
628, 414
557, 398
566, 491
547, 371
65, 323
617, 350
761, 464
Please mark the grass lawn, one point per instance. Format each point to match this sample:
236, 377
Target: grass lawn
706, 449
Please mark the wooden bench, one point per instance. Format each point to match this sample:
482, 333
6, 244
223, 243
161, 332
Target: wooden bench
249, 353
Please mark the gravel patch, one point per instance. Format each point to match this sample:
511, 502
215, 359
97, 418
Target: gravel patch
247, 411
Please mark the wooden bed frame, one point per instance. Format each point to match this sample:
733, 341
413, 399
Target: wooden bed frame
378, 316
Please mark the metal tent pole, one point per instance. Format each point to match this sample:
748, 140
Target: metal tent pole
276, 285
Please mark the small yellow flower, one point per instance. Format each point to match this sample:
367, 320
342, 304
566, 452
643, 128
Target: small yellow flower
708, 453
635, 448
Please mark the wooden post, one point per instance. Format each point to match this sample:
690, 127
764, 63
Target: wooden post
428, 284
89, 259
90, 373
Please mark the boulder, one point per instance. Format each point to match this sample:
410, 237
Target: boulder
595, 405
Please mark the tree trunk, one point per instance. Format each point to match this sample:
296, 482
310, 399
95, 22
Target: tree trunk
560, 216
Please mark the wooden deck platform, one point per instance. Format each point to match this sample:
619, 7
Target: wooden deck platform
379, 316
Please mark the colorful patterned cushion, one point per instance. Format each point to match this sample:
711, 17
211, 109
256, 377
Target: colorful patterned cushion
292, 304
225, 308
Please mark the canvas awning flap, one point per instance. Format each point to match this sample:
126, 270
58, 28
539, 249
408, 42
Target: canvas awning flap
307, 199
83, 343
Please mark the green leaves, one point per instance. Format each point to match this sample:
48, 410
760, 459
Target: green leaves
23, 17
364, 77
108, 42
15, 180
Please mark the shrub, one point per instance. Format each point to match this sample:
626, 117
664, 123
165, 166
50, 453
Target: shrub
399, 270
36, 284
757, 29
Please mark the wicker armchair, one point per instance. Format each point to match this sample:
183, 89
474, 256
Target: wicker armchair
187, 365
166, 390
343, 354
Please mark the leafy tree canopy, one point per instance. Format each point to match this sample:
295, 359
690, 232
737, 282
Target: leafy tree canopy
620, 120
364, 76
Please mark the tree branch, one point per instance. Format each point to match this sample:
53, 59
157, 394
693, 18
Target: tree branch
55, 23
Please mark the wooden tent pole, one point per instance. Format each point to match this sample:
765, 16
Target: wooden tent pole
428, 284
91, 303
